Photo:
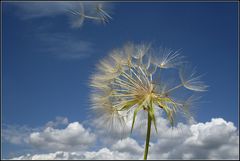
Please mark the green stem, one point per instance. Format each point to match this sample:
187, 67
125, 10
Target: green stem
148, 136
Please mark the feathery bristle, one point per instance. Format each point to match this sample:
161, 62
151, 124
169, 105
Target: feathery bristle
124, 81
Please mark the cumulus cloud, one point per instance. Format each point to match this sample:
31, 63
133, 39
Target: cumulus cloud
128, 145
55, 135
15, 134
199, 141
102, 154
124, 149
74, 136
216, 139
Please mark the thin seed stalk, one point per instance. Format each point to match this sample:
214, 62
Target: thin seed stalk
148, 136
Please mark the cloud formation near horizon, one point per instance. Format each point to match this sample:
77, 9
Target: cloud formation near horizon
217, 139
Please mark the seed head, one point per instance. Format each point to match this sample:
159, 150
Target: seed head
131, 79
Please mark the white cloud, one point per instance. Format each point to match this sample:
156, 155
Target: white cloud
15, 134
29, 10
74, 136
199, 141
107, 154
102, 154
216, 139
128, 145
33, 10
54, 135
63, 45
49, 156
58, 121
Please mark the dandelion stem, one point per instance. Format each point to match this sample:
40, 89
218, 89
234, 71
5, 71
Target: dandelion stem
148, 136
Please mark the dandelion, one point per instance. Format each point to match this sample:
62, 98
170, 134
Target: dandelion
132, 79
99, 14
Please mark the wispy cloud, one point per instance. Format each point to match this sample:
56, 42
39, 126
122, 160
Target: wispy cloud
216, 139
57, 122
63, 45
33, 10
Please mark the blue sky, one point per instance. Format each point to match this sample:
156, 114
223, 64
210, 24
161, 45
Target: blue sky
47, 63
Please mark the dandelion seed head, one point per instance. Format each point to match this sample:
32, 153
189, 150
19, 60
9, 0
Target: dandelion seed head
129, 79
